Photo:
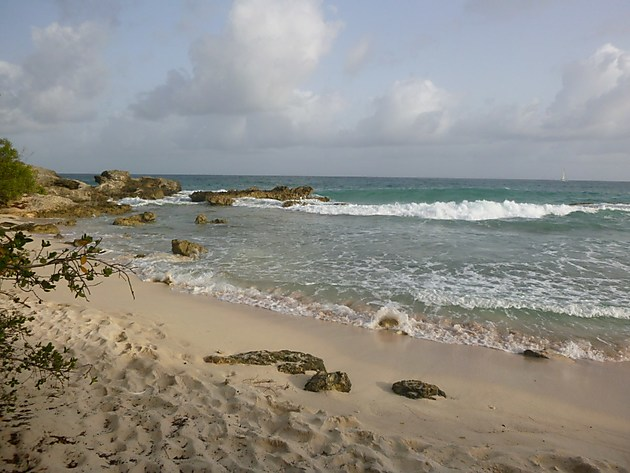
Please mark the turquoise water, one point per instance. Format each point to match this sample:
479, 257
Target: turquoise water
503, 264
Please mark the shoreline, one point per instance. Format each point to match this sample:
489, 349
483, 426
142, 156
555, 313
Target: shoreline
157, 406
502, 410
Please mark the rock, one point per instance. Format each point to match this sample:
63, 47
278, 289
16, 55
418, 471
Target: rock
388, 322
135, 220
222, 200
187, 248
80, 242
68, 223
534, 354
201, 219
112, 176
85, 210
287, 361
415, 389
69, 198
322, 381
119, 184
53, 184
44, 228
282, 193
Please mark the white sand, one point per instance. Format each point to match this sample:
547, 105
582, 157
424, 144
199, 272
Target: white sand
157, 406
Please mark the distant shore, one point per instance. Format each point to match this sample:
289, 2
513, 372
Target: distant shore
158, 406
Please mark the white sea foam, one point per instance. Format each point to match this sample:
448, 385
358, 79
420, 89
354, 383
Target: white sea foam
181, 198
440, 329
257, 203
466, 210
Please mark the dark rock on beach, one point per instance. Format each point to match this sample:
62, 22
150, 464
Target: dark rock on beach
187, 248
322, 381
534, 354
416, 389
286, 361
281, 193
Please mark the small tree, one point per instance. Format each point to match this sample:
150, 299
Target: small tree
16, 178
79, 267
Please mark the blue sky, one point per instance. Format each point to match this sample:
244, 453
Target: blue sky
458, 88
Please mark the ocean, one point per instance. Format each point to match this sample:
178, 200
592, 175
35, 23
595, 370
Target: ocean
504, 264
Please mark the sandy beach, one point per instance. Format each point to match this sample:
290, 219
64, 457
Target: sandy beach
157, 406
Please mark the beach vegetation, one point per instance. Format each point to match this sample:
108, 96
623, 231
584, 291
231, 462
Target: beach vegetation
16, 178
24, 274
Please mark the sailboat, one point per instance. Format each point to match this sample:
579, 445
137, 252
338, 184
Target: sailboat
564, 176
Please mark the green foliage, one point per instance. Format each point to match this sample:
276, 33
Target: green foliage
16, 178
79, 268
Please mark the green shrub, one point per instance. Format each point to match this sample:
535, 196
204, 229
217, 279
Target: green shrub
16, 178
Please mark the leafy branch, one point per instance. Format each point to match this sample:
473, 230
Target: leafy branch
30, 271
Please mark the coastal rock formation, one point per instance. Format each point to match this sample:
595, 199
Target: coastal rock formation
322, 381
286, 361
135, 220
187, 248
281, 193
201, 219
61, 186
416, 389
70, 198
43, 228
119, 184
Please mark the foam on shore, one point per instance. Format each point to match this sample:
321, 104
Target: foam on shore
158, 407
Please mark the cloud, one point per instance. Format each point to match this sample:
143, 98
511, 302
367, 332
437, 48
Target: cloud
258, 65
412, 111
357, 56
58, 82
595, 96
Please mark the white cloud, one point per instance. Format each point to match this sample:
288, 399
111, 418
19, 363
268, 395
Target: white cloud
412, 111
595, 96
268, 50
58, 82
358, 55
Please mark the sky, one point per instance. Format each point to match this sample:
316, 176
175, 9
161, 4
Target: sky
524, 89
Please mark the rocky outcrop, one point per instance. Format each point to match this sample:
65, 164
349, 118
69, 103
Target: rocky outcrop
135, 220
43, 228
416, 389
286, 361
54, 206
322, 381
69, 198
187, 248
119, 184
281, 193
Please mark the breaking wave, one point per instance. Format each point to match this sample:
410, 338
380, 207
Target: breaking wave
466, 210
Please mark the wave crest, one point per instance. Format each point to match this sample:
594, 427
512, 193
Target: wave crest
477, 210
